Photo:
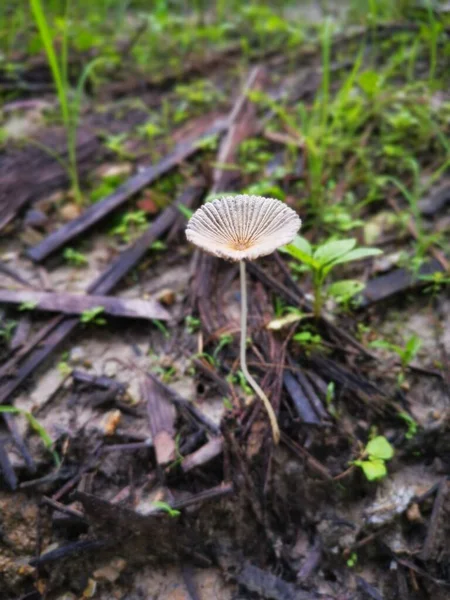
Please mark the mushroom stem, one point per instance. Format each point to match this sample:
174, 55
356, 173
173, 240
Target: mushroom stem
248, 377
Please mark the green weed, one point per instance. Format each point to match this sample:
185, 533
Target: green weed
374, 457
92, 316
36, 426
130, 225
406, 353
322, 259
74, 257
7, 328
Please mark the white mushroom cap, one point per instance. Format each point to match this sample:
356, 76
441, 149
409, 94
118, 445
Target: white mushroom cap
242, 227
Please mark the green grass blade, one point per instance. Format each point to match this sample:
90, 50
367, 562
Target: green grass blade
38, 428
46, 38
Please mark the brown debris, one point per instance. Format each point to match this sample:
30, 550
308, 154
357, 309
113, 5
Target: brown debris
437, 542
203, 455
161, 415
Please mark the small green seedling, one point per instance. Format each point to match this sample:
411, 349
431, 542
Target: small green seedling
239, 378
38, 428
162, 328
75, 258
411, 424
227, 404
150, 130
323, 258
352, 560
130, 225
375, 455
208, 142
310, 341
164, 507
435, 282
225, 340
406, 354
117, 144
64, 368
92, 315
330, 398
7, 329
158, 246
28, 305
192, 324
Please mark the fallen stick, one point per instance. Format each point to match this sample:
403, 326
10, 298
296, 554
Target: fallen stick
100, 210
77, 304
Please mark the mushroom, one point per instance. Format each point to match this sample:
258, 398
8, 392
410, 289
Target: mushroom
240, 228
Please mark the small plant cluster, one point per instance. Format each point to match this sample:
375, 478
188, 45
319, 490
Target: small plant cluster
322, 259
373, 460
406, 353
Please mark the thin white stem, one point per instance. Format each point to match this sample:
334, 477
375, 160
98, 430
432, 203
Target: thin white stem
248, 377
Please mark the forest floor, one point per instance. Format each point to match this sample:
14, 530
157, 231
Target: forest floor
135, 461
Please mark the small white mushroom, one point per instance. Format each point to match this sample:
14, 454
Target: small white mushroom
240, 228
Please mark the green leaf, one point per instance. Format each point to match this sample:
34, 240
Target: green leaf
302, 244
412, 347
357, 254
345, 289
373, 469
306, 337
380, 448
369, 81
331, 251
299, 254
164, 507
185, 211
28, 305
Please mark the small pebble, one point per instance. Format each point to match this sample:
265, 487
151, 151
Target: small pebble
77, 354
166, 297
110, 422
70, 211
413, 513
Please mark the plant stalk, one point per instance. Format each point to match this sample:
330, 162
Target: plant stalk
248, 377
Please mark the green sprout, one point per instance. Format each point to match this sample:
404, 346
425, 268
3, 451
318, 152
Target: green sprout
225, 340
322, 259
75, 258
164, 507
352, 560
308, 340
28, 305
130, 225
92, 315
38, 428
374, 457
411, 423
192, 324
406, 353
7, 329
